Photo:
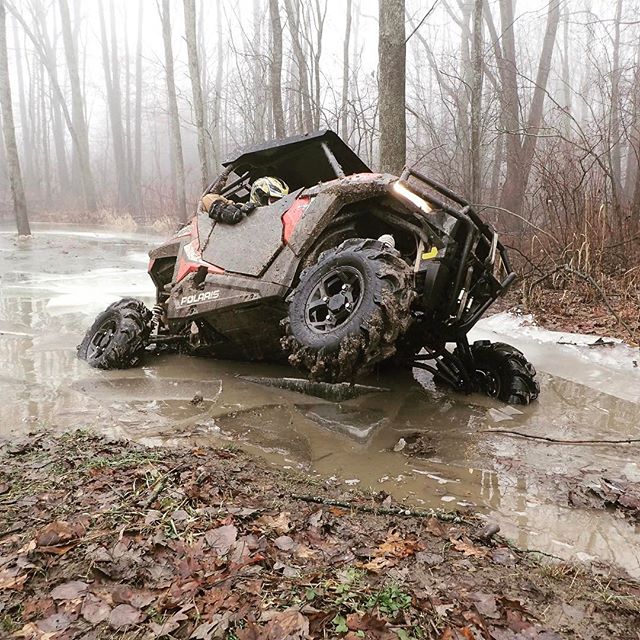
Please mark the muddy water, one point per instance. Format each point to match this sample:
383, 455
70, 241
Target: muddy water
52, 285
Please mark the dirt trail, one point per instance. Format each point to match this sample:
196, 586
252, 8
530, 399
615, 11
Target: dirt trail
104, 538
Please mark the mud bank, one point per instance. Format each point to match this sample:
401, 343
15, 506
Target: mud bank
103, 538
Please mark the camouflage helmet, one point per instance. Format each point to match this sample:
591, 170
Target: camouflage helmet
265, 188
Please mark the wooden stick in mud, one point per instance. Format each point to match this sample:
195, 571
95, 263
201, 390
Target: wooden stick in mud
445, 516
519, 434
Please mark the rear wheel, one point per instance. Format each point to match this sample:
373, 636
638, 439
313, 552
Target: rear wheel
348, 310
118, 336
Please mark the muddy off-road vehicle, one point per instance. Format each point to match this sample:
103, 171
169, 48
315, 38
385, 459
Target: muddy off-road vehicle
351, 271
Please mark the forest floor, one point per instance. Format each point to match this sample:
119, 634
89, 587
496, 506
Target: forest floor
109, 539
612, 310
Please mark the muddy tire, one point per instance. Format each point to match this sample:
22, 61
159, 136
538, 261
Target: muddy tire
348, 310
118, 336
505, 372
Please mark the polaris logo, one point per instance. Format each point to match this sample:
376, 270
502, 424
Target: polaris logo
197, 298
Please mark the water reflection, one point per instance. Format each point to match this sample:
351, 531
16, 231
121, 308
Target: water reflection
52, 286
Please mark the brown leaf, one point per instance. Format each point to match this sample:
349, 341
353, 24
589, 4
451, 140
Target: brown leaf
124, 615
10, 579
280, 524
69, 590
398, 547
485, 604
364, 622
94, 609
516, 622
284, 543
169, 625
60, 532
378, 564
137, 598
434, 527
468, 548
221, 539
285, 625
54, 622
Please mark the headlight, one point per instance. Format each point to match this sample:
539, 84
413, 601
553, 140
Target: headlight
407, 194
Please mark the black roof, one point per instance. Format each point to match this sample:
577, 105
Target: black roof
298, 160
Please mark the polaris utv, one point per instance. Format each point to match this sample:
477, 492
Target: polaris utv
350, 271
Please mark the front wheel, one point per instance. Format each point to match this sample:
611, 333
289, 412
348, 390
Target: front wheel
348, 310
118, 336
503, 372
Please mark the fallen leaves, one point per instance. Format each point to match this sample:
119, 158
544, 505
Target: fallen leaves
12, 579
124, 615
468, 548
285, 625
70, 590
94, 609
234, 558
60, 536
220, 540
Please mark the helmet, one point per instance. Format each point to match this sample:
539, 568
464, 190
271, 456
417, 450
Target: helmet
265, 188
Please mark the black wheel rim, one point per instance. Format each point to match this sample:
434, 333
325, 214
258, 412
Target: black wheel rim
490, 383
101, 338
334, 299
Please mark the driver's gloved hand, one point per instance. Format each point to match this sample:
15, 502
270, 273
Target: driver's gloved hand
226, 213
247, 208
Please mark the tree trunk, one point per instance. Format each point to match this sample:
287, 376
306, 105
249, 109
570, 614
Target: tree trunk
520, 152
9, 133
391, 86
174, 117
81, 137
112, 81
217, 109
137, 164
196, 87
301, 63
276, 69
27, 144
614, 122
476, 103
345, 76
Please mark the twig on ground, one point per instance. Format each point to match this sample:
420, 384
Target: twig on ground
159, 486
519, 434
445, 516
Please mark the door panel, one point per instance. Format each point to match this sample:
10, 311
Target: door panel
249, 246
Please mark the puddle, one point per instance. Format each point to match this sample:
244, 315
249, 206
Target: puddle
52, 286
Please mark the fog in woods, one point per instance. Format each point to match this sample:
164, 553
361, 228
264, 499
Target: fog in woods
120, 112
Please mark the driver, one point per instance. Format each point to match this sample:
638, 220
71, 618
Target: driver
264, 191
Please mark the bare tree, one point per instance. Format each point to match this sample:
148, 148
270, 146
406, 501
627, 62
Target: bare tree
521, 134
391, 85
276, 68
476, 102
293, 15
174, 117
80, 133
9, 133
345, 74
111, 69
196, 87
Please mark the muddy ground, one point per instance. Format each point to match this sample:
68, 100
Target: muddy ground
109, 539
